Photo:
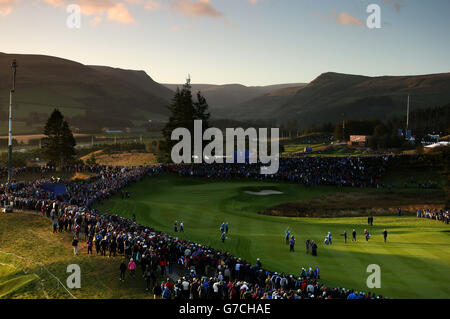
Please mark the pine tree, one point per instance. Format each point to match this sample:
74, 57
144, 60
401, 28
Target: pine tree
183, 113
58, 147
201, 110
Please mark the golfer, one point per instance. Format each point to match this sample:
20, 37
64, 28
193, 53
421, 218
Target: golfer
345, 236
366, 234
314, 248
291, 244
223, 237
329, 238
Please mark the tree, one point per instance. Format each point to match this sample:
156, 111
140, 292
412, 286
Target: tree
380, 130
183, 114
201, 110
58, 147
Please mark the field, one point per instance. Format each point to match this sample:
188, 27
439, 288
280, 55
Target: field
25, 139
122, 159
415, 263
33, 264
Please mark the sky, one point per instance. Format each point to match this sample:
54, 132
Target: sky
251, 42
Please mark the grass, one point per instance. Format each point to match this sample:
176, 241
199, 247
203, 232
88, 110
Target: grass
122, 159
415, 262
25, 139
32, 257
350, 204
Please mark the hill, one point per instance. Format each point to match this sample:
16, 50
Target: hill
223, 97
333, 94
93, 97
90, 96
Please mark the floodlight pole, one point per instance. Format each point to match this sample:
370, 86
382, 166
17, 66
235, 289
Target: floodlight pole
10, 141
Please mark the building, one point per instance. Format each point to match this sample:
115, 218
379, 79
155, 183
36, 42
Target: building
358, 140
135, 130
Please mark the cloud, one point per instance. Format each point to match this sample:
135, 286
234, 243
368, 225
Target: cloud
120, 14
396, 4
117, 10
196, 8
253, 1
152, 5
149, 5
54, 3
6, 7
95, 7
114, 11
96, 21
347, 19
342, 18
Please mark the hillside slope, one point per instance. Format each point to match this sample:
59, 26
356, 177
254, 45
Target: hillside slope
331, 95
223, 97
90, 96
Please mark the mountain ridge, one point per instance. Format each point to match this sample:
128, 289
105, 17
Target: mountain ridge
93, 96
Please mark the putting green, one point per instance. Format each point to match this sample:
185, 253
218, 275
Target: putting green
415, 263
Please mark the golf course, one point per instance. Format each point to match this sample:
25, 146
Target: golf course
415, 261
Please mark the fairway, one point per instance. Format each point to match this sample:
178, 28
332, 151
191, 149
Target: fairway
415, 263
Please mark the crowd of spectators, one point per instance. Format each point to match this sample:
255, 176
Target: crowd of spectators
205, 271
435, 214
309, 171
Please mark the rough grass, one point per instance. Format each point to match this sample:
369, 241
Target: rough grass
32, 257
415, 262
361, 204
122, 159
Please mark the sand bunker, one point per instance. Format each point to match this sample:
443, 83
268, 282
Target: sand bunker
264, 192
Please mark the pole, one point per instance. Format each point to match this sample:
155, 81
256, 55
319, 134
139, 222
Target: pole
343, 130
10, 140
407, 116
